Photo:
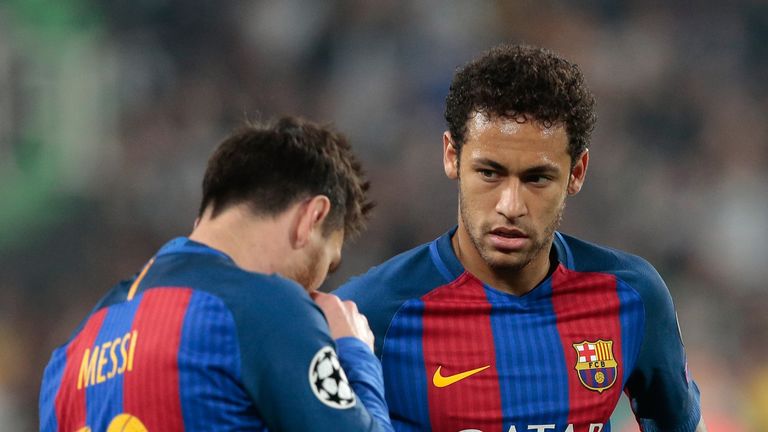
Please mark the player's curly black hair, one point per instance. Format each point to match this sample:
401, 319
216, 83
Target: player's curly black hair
513, 80
275, 165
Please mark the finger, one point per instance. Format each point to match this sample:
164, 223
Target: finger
328, 300
363, 319
351, 306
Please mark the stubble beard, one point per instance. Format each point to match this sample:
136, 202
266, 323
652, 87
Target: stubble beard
538, 242
306, 272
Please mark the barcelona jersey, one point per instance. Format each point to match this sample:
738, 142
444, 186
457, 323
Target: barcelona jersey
196, 343
458, 354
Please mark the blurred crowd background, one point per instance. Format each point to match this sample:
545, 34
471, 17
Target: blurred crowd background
109, 110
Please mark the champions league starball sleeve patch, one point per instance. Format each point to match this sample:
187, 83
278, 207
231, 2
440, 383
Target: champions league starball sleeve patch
328, 380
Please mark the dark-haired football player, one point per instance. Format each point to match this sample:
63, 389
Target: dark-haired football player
219, 330
503, 323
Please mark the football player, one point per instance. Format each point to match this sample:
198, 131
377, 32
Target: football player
219, 330
503, 323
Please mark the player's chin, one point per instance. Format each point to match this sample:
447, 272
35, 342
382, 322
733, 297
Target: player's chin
506, 261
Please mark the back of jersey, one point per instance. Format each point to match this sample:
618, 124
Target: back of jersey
196, 343
166, 359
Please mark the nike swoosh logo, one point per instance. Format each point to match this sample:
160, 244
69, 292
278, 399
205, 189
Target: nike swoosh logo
443, 381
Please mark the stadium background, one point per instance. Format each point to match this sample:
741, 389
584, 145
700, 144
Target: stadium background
109, 109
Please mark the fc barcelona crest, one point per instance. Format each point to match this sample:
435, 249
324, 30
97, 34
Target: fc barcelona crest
596, 365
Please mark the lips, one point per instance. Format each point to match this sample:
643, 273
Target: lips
508, 239
508, 232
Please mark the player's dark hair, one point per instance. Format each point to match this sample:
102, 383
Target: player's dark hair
274, 166
518, 80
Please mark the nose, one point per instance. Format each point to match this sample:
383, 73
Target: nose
511, 204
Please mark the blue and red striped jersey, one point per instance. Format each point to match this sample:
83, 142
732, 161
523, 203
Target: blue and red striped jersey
460, 355
196, 343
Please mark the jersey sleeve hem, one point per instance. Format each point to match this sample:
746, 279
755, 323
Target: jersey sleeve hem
365, 376
689, 425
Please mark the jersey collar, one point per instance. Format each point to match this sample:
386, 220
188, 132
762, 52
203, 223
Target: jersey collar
185, 245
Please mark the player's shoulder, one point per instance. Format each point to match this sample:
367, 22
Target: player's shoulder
264, 309
116, 294
407, 275
247, 294
272, 295
220, 276
395, 267
633, 270
219, 286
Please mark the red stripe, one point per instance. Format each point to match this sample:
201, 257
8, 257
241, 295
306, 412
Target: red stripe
587, 309
70, 402
458, 336
151, 389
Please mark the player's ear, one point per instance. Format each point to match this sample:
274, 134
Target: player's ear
310, 216
578, 173
450, 157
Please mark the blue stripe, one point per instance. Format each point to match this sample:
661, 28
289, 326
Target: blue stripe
439, 262
533, 382
447, 254
632, 321
104, 400
210, 368
404, 375
564, 254
52, 377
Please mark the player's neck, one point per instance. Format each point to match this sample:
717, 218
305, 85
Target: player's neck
514, 281
255, 244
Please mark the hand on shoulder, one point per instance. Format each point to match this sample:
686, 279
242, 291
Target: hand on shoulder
344, 319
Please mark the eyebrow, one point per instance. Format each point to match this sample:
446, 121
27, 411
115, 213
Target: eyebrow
541, 168
545, 168
491, 163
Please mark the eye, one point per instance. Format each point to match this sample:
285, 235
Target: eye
487, 174
538, 179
